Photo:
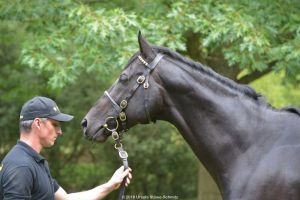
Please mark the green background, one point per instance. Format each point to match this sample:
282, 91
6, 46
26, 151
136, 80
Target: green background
72, 51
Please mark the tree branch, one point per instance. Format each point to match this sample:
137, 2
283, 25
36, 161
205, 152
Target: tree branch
256, 74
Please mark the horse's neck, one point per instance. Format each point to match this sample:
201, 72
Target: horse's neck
211, 117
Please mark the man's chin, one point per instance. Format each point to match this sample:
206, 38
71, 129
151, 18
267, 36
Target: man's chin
50, 144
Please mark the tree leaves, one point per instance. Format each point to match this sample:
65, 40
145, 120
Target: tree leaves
66, 37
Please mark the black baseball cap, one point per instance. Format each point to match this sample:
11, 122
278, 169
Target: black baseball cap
42, 107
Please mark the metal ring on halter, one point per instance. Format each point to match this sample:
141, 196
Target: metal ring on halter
120, 145
106, 126
115, 135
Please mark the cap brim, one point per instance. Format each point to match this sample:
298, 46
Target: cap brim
62, 117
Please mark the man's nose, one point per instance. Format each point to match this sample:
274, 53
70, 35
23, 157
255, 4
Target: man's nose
59, 131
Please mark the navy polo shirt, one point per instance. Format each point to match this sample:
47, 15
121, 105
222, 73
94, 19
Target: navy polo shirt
25, 175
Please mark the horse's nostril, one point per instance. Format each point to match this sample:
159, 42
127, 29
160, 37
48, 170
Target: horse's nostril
84, 123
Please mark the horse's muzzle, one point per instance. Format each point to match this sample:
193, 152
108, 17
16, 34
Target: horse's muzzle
84, 126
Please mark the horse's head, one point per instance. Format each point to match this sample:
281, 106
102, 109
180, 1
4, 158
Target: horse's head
133, 98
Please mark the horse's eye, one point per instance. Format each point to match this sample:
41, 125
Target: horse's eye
123, 77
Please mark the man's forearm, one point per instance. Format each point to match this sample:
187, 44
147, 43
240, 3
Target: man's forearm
96, 193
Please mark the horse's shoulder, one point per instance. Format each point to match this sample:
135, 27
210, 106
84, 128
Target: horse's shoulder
292, 110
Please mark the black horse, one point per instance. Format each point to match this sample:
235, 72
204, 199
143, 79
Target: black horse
250, 148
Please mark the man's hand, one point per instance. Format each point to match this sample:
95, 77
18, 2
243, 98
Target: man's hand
118, 177
100, 191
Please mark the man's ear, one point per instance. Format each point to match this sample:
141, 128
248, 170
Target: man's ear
145, 48
36, 123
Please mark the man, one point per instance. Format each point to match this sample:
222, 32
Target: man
24, 173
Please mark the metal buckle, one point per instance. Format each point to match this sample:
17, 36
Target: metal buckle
146, 85
140, 79
123, 154
123, 104
122, 116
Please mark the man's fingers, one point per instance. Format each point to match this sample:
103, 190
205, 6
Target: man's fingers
130, 176
126, 172
123, 173
127, 181
121, 169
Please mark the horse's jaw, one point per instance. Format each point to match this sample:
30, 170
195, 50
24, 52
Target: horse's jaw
99, 135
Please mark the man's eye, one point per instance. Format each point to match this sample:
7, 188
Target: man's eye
56, 125
123, 78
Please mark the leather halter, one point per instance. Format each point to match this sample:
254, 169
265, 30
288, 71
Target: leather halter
143, 79
120, 113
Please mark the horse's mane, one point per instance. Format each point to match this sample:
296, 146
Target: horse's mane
292, 110
244, 89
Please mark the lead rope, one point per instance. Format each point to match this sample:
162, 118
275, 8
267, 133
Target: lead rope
123, 155
118, 146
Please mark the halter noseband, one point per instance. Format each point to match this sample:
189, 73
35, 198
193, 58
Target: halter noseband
120, 113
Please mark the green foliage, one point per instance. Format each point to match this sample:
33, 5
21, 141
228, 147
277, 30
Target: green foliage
72, 51
250, 33
66, 37
160, 157
278, 92
73, 46
17, 83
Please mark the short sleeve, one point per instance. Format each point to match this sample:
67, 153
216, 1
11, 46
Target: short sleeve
55, 185
17, 184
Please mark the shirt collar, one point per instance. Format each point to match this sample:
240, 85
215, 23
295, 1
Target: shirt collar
30, 151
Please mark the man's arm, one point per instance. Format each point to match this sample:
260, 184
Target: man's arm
17, 183
98, 192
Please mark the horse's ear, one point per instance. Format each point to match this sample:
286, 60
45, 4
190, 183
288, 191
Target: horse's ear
145, 48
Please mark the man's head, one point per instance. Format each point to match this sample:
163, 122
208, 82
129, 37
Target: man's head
42, 107
41, 116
